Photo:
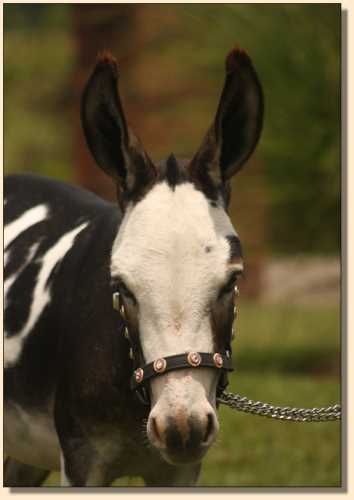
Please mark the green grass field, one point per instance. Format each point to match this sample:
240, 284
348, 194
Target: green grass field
285, 355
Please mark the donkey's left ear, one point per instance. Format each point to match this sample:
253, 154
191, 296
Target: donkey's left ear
114, 147
238, 122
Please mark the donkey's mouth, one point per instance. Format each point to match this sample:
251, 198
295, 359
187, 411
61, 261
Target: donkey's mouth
184, 457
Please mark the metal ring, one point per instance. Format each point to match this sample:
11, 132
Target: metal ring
218, 361
194, 358
139, 375
160, 365
237, 291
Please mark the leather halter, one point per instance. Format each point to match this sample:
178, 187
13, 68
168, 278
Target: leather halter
221, 361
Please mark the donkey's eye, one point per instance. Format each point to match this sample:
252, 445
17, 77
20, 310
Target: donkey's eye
230, 284
124, 290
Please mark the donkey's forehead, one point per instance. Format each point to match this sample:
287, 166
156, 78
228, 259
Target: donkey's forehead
182, 208
169, 224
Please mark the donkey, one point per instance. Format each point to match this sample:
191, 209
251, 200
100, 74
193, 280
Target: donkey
100, 389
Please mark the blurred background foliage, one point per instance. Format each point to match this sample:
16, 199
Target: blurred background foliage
172, 66
285, 204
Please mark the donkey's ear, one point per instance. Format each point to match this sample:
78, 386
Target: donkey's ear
114, 147
237, 124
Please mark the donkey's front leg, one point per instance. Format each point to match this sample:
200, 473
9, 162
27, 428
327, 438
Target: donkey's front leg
80, 470
18, 474
80, 466
81, 462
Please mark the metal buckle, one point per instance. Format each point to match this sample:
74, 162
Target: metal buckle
116, 301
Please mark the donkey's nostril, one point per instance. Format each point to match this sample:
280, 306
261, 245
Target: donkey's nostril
209, 428
182, 437
155, 430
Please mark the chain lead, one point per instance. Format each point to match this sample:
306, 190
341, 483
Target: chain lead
241, 403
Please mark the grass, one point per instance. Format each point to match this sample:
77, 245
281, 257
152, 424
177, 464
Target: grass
285, 355
288, 339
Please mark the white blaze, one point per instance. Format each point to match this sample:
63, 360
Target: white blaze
172, 253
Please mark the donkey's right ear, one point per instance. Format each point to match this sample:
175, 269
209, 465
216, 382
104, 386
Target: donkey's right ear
114, 147
237, 125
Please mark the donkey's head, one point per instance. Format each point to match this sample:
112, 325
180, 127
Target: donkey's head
177, 257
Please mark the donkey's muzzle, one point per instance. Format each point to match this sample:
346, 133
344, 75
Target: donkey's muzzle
183, 439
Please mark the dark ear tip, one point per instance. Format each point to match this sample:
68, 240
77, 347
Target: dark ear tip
236, 58
105, 61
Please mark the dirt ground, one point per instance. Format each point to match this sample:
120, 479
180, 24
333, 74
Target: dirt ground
301, 280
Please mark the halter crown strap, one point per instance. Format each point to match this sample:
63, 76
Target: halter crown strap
179, 361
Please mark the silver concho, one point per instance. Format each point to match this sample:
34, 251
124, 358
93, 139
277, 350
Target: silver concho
160, 365
218, 361
194, 358
139, 375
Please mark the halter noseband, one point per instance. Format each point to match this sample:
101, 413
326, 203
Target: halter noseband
143, 372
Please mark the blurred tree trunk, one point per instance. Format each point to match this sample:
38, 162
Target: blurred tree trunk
248, 212
98, 27
128, 31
